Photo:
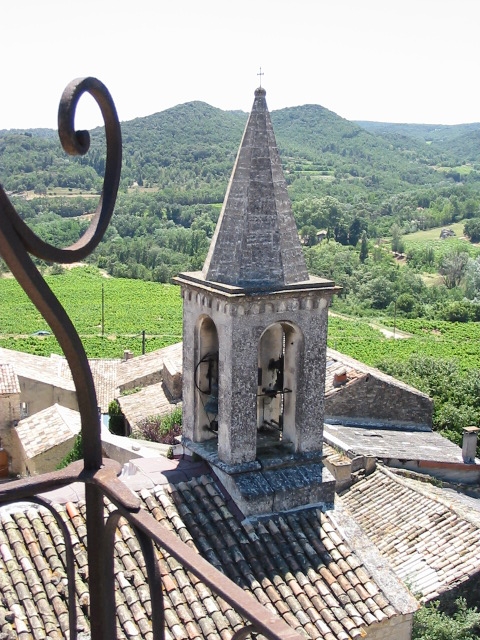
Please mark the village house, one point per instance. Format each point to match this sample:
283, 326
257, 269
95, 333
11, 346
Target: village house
43, 381
45, 438
9, 415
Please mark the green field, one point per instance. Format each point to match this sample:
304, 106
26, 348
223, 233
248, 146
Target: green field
130, 307
459, 342
133, 306
434, 234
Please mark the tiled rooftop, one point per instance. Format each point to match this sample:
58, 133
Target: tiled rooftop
104, 374
48, 428
297, 564
48, 370
431, 537
8, 380
355, 369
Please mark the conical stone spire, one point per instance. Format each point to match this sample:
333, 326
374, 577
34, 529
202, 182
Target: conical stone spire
256, 244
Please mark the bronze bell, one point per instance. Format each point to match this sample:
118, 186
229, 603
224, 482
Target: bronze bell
211, 405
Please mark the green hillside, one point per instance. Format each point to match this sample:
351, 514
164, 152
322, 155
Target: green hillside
345, 178
193, 146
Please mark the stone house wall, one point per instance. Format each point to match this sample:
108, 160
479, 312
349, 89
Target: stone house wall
9, 416
397, 628
142, 381
44, 462
37, 395
372, 401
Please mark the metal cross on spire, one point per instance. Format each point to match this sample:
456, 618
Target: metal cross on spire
260, 74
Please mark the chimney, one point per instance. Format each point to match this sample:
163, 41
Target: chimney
469, 444
340, 377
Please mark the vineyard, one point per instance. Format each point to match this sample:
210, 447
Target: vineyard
133, 306
459, 342
130, 307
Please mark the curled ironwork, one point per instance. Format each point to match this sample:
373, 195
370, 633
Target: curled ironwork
100, 477
18, 241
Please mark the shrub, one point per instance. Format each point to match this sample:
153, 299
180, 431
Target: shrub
116, 423
432, 624
472, 229
405, 302
75, 454
456, 312
162, 429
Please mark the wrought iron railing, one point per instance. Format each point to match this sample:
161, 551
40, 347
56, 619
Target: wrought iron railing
100, 476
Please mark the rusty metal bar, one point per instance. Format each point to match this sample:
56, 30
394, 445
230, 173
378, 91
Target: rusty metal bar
269, 624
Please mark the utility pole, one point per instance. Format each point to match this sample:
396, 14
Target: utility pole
103, 311
395, 320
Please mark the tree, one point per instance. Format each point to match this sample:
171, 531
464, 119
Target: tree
333, 260
354, 232
398, 245
379, 292
472, 229
364, 248
308, 233
472, 278
453, 266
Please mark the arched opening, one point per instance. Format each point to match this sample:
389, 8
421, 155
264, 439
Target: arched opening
206, 380
278, 354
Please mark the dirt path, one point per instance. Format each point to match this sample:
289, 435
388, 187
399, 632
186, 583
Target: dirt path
387, 332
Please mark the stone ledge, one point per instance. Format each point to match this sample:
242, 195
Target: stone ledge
266, 492
196, 278
272, 483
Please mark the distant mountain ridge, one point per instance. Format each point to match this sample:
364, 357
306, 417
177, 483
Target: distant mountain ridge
428, 132
193, 146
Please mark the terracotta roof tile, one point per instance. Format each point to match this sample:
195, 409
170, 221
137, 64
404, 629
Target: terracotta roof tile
47, 370
8, 380
298, 565
48, 428
430, 537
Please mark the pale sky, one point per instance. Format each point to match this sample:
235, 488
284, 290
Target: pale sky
386, 60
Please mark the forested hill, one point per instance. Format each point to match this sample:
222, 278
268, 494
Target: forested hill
190, 143
193, 145
342, 176
460, 141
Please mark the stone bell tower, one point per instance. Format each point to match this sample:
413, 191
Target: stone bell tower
254, 341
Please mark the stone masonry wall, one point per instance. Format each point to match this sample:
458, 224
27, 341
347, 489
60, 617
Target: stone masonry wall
372, 401
397, 628
40, 395
9, 414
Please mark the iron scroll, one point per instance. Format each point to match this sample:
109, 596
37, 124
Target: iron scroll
17, 241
